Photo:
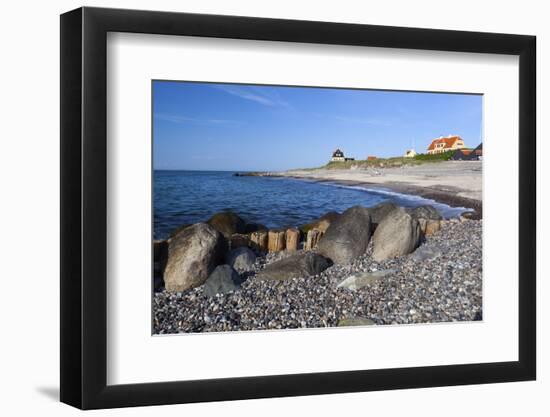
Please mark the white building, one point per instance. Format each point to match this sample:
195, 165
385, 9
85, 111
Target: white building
409, 153
440, 145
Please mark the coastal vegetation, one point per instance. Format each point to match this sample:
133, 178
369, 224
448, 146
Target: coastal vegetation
391, 162
388, 162
363, 164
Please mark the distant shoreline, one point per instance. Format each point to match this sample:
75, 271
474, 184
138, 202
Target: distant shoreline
445, 197
456, 183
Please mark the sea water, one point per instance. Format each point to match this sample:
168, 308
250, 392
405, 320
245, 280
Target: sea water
185, 197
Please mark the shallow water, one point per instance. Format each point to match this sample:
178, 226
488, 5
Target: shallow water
184, 197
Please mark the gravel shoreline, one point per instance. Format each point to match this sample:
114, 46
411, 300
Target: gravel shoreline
447, 287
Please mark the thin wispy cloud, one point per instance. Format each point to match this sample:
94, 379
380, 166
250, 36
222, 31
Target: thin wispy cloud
174, 118
361, 120
255, 94
209, 157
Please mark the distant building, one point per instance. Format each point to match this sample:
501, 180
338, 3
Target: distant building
371, 158
338, 156
409, 153
449, 143
461, 155
468, 154
477, 153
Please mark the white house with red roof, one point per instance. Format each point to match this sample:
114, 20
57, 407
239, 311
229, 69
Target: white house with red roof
444, 144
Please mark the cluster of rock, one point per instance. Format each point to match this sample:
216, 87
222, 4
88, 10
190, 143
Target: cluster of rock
219, 253
441, 281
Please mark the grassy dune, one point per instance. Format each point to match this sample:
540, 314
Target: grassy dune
389, 162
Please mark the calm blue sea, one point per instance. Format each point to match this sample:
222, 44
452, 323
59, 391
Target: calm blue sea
183, 197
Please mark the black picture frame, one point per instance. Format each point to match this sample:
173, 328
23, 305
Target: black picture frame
84, 207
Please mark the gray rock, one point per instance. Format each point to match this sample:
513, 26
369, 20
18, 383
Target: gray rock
348, 236
224, 279
424, 253
362, 279
378, 212
355, 321
425, 212
447, 288
296, 266
193, 254
227, 223
242, 259
398, 234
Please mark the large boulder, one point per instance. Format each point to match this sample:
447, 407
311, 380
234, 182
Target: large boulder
192, 256
425, 212
304, 264
227, 223
222, 280
242, 259
347, 237
397, 234
378, 212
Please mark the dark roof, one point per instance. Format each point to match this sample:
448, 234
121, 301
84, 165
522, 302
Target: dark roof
461, 154
477, 152
468, 154
338, 152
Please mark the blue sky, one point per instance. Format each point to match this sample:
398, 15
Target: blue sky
202, 126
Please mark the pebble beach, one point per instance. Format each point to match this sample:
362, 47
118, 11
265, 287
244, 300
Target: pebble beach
441, 281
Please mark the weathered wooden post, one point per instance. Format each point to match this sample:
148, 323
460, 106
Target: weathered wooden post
432, 226
423, 223
258, 240
292, 239
312, 239
275, 240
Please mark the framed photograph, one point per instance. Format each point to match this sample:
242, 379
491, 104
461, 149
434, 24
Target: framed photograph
257, 208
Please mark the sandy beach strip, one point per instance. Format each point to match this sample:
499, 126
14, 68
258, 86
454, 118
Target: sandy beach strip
456, 183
